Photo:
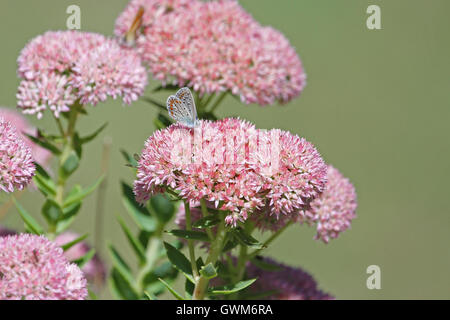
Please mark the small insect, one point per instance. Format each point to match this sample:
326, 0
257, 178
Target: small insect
131, 35
181, 108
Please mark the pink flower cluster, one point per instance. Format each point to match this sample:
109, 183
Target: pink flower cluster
94, 270
233, 165
334, 210
215, 46
34, 268
63, 67
288, 283
39, 154
16, 163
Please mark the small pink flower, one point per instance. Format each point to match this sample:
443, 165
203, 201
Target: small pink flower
16, 163
34, 268
234, 166
63, 67
94, 270
39, 154
214, 47
335, 208
288, 283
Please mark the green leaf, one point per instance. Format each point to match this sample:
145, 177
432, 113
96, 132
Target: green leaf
52, 211
189, 288
45, 144
29, 221
264, 265
93, 135
246, 239
70, 164
85, 259
121, 287
162, 121
71, 199
208, 271
229, 289
134, 242
230, 242
170, 87
140, 214
178, 260
150, 296
164, 271
70, 244
190, 235
154, 102
130, 160
62, 225
43, 181
69, 212
175, 294
206, 222
120, 264
162, 207
77, 144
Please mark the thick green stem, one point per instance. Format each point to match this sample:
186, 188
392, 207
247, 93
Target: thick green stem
205, 213
214, 253
187, 210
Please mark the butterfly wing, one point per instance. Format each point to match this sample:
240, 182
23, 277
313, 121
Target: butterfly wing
185, 95
179, 111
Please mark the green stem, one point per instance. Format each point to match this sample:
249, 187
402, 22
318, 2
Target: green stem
151, 255
68, 137
205, 213
214, 253
218, 101
242, 259
187, 210
211, 96
270, 240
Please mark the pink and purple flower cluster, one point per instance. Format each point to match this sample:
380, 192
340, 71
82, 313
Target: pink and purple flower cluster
61, 68
234, 166
215, 47
284, 282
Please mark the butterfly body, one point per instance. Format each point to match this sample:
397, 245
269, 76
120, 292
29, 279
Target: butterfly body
181, 107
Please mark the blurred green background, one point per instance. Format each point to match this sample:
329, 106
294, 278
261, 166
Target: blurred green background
377, 106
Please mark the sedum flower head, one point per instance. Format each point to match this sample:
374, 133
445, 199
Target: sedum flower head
215, 47
60, 68
34, 268
284, 282
39, 154
16, 163
233, 166
94, 270
335, 208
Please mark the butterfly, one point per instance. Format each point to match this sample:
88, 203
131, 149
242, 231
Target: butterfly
181, 107
132, 33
